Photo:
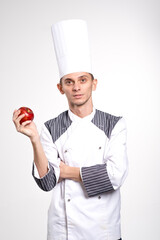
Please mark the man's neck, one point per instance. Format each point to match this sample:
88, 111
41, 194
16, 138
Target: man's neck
82, 111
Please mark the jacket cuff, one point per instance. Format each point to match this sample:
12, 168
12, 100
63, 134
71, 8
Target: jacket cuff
95, 179
47, 182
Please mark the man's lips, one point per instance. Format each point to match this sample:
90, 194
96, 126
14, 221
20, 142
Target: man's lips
77, 96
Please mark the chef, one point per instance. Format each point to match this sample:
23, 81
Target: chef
81, 154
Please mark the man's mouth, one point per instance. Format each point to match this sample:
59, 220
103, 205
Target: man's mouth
77, 96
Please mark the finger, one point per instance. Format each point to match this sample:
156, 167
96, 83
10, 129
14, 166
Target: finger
62, 163
16, 113
17, 122
26, 123
20, 117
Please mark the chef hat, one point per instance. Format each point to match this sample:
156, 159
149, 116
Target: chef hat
71, 45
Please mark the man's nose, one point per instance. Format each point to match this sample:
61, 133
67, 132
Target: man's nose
76, 86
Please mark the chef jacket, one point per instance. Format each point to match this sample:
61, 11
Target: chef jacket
87, 210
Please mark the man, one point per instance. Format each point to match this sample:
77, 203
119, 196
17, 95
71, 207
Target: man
81, 154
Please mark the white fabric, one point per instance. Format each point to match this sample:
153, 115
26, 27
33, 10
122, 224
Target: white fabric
71, 46
72, 215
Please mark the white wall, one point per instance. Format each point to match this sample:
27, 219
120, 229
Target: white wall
124, 38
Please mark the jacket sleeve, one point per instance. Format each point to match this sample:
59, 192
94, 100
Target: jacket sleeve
109, 176
49, 181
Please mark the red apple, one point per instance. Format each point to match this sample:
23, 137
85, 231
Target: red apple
29, 115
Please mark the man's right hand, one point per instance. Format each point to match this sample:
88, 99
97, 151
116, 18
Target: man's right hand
27, 128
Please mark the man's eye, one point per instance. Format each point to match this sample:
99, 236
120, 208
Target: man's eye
68, 82
83, 80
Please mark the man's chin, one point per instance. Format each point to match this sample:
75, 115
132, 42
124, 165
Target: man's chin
78, 103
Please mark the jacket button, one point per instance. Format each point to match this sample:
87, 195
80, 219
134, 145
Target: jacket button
99, 197
69, 200
65, 151
100, 147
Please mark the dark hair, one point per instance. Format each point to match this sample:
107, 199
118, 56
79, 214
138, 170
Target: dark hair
92, 77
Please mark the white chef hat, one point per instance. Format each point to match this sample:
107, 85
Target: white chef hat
71, 45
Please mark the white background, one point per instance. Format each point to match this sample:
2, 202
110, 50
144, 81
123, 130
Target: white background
125, 46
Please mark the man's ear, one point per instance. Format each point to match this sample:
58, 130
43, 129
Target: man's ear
59, 86
94, 84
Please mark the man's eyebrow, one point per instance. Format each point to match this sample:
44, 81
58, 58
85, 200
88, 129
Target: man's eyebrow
83, 76
68, 79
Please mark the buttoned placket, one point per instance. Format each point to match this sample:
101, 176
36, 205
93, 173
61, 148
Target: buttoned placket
76, 121
67, 194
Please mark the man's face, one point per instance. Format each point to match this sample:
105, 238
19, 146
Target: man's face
78, 88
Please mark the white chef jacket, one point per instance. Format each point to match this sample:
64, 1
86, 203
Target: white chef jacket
97, 145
